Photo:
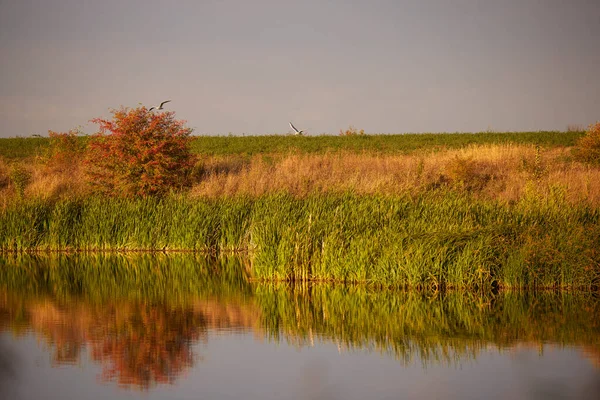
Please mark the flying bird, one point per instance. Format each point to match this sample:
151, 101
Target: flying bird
159, 107
296, 130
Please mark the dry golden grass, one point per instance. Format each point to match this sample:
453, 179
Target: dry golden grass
500, 172
491, 171
48, 181
53, 182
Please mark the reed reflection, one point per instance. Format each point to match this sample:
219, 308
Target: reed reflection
139, 316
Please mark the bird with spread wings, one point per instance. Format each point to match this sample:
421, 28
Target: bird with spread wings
297, 132
160, 107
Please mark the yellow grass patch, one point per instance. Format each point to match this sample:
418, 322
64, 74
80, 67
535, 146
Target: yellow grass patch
490, 171
499, 172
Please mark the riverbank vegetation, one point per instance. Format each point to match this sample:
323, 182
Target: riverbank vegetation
430, 241
463, 210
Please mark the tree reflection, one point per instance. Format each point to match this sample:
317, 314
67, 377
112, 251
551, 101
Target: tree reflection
137, 344
138, 315
146, 345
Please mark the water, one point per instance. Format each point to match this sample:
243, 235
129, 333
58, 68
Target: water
185, 327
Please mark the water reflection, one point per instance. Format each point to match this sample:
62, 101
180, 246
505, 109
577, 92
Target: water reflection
140, 316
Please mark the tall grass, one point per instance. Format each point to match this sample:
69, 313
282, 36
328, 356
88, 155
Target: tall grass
97, 223
504, 173
491, 172
437, 240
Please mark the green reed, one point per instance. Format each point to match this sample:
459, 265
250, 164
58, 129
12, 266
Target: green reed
119, 224
432, 241
447, 241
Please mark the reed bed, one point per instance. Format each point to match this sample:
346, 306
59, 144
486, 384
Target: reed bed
437, 241
479, 215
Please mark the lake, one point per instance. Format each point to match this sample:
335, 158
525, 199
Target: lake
184, 326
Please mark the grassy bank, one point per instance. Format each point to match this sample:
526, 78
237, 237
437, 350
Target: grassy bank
446, 210
437, 240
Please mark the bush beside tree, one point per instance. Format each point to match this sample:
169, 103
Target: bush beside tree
588, 146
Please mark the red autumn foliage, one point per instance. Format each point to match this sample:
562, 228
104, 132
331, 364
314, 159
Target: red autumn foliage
139, 153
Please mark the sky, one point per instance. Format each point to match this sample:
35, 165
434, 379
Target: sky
250, 67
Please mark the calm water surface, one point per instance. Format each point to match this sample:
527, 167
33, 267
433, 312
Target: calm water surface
184, 327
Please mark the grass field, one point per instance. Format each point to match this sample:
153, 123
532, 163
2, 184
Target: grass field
16, 148
503, 172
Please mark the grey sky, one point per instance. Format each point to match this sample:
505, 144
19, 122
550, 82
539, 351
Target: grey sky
251, 66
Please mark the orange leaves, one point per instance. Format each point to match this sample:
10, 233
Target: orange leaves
139, 153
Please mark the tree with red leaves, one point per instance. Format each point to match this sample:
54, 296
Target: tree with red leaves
139, 153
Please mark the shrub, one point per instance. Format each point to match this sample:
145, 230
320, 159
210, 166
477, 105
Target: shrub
587, 148
575, 128
146, 153
351, 131
468, 174
66, 149
20, 178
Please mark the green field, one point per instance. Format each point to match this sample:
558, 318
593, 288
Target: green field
15, 148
